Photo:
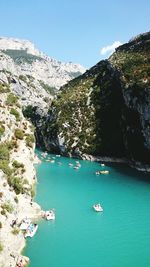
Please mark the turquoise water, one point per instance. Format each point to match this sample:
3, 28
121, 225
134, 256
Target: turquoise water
118, 237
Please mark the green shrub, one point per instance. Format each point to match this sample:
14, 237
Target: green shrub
4, 166
1, 247
7, 206
16, 199
11, 100
19, 134
30, 139
15, 231
10, 145
4, 88
1, 225
32, 191
15, 113
17, 164
2, 130
23, 78
3, 212
4, 151
17, 184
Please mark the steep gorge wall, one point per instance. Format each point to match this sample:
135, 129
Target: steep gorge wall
105, 111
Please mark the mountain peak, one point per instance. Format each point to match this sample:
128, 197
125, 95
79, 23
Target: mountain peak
19, 44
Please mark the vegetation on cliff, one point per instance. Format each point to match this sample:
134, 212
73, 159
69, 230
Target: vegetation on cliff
106, 110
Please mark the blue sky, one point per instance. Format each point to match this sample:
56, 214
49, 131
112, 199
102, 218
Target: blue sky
74, 30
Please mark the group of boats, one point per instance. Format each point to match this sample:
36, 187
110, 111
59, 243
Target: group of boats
76, 167
29, 227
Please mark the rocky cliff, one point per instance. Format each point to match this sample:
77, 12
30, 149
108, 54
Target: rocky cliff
32, 75
17, 176
105, 111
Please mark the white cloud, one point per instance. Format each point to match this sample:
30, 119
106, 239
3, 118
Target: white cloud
110, 48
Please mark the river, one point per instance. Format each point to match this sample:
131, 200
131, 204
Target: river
80, 237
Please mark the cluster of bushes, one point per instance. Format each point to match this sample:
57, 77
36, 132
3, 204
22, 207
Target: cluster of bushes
19, 134
4, 151
17, 184
15, 113
4, 88
23, 78
30, 139
17, 164
2, 130
12, 100
4, 166
7, 207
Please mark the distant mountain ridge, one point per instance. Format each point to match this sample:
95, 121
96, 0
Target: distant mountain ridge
31, 61
32, 75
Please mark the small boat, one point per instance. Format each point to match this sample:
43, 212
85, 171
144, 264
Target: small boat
102, 172
102, 164
76, 167
25, 224
52, 161
58, 156
49, 215
31, 230
70, 164
97, 207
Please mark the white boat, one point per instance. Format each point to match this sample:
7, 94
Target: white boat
51, 160
25, 224
102, 164
32, 228
50, 215
102, 172
76, 167
97, 207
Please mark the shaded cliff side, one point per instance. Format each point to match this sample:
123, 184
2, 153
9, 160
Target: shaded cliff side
105, 111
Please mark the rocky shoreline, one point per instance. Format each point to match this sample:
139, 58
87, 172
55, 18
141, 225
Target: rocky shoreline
133, 164
12, 238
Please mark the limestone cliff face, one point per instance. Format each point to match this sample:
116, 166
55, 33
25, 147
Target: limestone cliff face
105, 111
32, 75
17, 175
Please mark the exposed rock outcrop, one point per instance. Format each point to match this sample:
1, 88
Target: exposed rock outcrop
105, 111
32, 75
17, 177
